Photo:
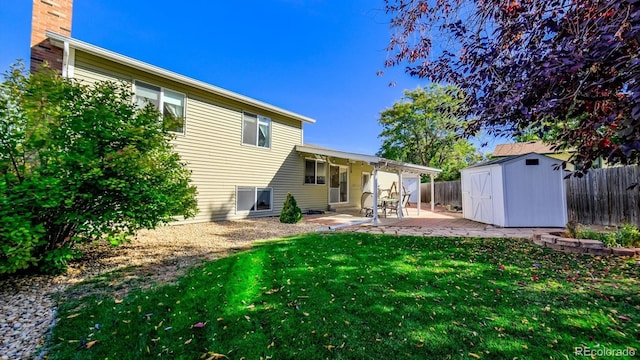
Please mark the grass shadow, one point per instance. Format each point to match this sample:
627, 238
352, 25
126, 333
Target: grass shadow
368, 296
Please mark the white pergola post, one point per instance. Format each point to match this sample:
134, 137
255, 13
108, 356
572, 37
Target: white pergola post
433, 202
375, 196
419, 194
400, 195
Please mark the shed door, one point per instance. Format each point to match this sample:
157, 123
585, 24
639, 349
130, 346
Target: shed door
480, 194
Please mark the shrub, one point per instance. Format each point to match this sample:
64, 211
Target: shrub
18, 240
627, 235
607, 238
572, 228
80, 163
290, 213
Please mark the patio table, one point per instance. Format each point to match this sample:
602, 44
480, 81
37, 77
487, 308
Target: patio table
386, 202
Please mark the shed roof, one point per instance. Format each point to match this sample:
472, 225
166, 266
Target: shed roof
511, 158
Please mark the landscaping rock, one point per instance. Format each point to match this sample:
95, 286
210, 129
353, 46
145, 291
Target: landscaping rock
575, 250
549, 238
591, 244
566, 242
554, 246
538, 241
600, 252
580, 246
623, 252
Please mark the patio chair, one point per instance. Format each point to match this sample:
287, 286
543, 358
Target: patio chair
405, 201
366, 203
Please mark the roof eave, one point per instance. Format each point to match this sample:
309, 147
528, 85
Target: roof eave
372, 160
338, 154
137, 64
407, 167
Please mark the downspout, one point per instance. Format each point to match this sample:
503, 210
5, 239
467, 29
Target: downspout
68, 60
65, 59
353, 223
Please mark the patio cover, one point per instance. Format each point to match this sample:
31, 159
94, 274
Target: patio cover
379, 164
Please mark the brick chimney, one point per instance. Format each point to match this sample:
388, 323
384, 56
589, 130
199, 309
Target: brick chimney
54, 16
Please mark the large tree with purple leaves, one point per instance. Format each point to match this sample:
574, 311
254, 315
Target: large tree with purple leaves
564, 66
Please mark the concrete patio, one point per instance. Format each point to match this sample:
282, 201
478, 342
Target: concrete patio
440, 222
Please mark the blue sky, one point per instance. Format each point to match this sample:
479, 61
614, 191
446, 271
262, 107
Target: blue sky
318, 58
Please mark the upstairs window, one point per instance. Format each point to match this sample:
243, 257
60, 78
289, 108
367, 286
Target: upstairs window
169, 102
256, 130
315, 172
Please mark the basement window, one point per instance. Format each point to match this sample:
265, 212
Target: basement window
250, 199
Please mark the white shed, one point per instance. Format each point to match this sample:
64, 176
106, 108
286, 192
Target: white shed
516, 191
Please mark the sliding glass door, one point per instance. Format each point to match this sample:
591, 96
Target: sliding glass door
338, 184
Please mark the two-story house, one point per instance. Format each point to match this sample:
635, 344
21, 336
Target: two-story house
245, 155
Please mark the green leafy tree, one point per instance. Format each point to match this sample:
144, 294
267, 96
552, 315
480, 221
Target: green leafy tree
566, 66
423, 128
290, 213
526, 136
80, 163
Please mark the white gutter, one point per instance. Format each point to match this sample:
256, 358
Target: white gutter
65, 41
382, 163
337, 154
407, 167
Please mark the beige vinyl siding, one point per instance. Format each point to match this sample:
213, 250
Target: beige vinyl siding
220, 162
311, 196
91, 68
213, 150
355, 181
90, 72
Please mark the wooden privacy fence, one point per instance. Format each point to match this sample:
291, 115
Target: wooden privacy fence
447, 192
601, 197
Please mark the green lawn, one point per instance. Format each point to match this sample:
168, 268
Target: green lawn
358, 296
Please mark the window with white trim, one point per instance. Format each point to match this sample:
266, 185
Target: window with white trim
252, 198
315, 172
256, 130
168, 102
